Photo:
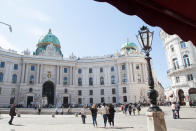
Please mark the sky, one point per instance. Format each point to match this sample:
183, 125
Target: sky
84, 27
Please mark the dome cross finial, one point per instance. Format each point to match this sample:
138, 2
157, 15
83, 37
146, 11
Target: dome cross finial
50, 31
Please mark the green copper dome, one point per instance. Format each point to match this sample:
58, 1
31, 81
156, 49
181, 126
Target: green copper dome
49, 38
129, 45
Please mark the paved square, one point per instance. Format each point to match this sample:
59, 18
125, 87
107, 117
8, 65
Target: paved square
122, 122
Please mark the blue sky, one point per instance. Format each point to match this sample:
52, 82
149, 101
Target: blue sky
84, 27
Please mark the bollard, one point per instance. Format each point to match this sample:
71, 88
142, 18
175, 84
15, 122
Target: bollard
19, 115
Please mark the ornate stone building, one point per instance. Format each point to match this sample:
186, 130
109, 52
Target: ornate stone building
47, 78
181, 58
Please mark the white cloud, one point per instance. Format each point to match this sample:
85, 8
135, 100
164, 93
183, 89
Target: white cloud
38, 15
5, 44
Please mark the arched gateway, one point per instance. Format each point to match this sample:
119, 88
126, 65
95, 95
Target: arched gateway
48, 91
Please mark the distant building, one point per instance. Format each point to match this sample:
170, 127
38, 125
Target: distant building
181, 58
49, 79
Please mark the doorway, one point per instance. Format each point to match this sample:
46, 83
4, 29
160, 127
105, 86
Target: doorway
65, 102
29, 101
48, 91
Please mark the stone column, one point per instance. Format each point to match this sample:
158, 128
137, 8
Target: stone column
156, 121
23, 72
119, 74
61, 76
142, 68
40, 76
37, 74
26, 73
128, 73
57, 75
133, 72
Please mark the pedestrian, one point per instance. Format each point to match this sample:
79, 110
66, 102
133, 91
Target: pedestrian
12, 113
83, 114
138, 109
173, 106
177, 107
94, 114
130, 108
111, 114
134, 108
56, 110
122, 108
125, 109
104, 111
39, 109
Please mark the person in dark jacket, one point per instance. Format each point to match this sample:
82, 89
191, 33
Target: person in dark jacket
130, 108
94, 114
111, 114
177, 106
12, 113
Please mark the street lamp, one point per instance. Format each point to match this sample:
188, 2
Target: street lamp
145, 39
10, 27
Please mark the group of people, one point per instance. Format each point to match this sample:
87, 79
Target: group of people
175, 110
107, 111
131, 108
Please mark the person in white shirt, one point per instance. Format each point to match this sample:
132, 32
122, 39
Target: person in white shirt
83, 114
104, 112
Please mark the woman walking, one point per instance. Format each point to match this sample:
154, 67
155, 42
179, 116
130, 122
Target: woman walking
104, 111
83, 114
111, 114
94, 114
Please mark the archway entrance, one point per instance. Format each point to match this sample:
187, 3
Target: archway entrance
192, 96
181, 97
48, 91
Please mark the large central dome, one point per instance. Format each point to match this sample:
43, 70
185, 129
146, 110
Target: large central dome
48, 45
49, 38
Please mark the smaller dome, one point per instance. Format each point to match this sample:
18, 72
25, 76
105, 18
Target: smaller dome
129, 45
49, 38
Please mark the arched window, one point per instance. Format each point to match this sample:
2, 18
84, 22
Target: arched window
14, 78
101, 80
112, 79
1, 77
186, 60
31, 79
79, 81
90, 81
175, 63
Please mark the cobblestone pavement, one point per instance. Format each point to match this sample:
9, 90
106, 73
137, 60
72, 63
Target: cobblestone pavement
122, 122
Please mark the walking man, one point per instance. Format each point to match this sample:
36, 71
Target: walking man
12, 113
130, 109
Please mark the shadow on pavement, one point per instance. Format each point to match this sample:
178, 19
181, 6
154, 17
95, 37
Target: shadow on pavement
115, 127
17, 125
187, 118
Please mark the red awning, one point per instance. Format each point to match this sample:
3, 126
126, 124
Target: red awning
173, 16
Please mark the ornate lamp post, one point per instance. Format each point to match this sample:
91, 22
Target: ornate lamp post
10, 27
145, 39
155, 116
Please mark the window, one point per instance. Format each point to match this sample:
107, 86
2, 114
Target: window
32, 68
0, 90
113, 91
124, 90
186, 60
91, 100
90, 81
65, 91
31, 79
172, 48
139, 78
101, 70
65, 70
79, 81
15, 66
112, 79
1, 77
102, 100
189, 77
30, 89
65, 81
177, 79
101, 81
91, 92
79, 100
137, 67
123, 67
124, 98
114, 99
2, 64
124, 79
79, 71
175, 63
79, 92
112, 69
14, 78
13, 91
90, 70
182, 44
102, 91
